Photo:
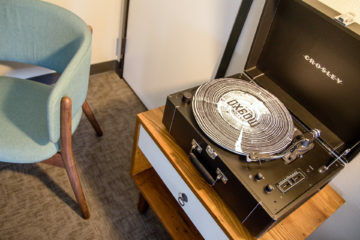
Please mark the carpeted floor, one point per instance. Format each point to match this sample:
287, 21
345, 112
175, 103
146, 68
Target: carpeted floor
37, 202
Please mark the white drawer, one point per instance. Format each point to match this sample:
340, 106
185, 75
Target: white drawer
197, 213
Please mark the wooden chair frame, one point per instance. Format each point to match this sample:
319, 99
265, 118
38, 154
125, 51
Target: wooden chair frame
64, 158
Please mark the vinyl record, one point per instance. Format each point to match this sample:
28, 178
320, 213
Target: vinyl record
242, 117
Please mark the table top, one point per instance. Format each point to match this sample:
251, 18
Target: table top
298, 225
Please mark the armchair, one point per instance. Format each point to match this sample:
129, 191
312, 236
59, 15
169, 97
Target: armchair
37, 120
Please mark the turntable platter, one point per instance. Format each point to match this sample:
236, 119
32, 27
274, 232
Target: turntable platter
242, 117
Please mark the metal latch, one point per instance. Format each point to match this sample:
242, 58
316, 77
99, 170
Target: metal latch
220, 176
196, 146
211, 153
346, 18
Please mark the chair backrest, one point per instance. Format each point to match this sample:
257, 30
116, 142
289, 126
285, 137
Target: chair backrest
40, 33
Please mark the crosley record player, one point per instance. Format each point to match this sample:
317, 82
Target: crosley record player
271, 138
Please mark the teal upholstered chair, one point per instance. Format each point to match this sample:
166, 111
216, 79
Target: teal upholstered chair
37, 120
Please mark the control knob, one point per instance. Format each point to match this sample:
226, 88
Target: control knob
259, 176
269, 188
186, 98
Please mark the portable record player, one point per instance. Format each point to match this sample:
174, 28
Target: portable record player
271, 138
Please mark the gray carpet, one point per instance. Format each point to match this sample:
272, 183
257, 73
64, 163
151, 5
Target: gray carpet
37, 202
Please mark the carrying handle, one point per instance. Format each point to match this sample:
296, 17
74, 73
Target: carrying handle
198, 165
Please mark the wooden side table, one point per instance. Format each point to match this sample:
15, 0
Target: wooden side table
188, 207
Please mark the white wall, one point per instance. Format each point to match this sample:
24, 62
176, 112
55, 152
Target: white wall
104, 16
345, 223
173, 45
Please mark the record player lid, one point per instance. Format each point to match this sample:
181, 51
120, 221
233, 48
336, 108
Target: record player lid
242, 117
304, 51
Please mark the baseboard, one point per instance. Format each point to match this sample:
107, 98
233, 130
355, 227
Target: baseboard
112, 65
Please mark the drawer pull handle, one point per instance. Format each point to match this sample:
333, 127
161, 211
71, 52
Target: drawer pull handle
182, 199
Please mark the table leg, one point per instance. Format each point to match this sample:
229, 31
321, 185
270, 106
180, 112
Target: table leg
142, 204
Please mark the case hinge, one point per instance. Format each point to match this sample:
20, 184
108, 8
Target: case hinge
346, 18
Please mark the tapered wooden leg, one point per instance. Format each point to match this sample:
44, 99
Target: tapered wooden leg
142, 204
91, 117
67, 155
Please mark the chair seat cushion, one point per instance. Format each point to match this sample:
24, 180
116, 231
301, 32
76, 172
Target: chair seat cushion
24, 136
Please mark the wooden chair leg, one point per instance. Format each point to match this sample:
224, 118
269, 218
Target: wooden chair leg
68, 158
91, 117
55, 160
142, 204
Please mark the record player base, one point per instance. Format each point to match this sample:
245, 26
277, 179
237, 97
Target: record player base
180, 225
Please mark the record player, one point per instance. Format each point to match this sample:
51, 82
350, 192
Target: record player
268, 139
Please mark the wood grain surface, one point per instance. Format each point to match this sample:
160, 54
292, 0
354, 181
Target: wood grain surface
300, 224
153, 192
139, 161
91, 117
167, 209
68, 157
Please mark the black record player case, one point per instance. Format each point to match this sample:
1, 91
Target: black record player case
309, 61
302, 49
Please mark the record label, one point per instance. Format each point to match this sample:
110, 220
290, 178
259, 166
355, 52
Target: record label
241, 109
